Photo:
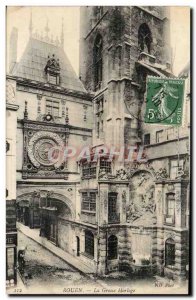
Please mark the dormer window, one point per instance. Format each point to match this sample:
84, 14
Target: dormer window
52, 70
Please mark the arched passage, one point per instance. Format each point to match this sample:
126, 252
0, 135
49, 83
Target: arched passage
52, 211
43, 209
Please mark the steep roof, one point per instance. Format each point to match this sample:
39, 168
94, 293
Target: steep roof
34, 59
185, 71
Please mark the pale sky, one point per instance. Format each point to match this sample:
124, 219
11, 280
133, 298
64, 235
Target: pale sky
19, 17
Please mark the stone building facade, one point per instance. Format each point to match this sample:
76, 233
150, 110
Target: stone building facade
112, 215
55, 110
142, 208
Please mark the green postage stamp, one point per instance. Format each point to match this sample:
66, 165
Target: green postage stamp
164, 101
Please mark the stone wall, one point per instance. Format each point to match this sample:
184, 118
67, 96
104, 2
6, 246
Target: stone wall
64, 236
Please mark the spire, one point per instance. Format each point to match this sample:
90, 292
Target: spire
62, 34
47, 29
57, 41
30, 25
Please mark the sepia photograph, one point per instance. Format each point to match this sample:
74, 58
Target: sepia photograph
98, 150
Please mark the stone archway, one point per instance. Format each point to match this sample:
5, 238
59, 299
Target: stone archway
34, 202
65, 200
30, 193
56, 211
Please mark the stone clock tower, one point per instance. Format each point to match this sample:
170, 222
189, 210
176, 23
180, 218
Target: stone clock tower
119, 48
50, 96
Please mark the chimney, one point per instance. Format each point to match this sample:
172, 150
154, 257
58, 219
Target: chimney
13, 48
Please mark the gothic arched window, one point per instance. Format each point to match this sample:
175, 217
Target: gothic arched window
89, 243
112, 247
144, 38
169, 252
98, 61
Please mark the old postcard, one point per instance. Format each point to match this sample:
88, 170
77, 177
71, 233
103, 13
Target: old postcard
98, 150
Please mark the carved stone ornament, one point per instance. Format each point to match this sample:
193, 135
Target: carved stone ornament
36, 193
170, 187
134, 167
46, 118
122, 175
49, 127
182, 173
39, 146
170, 235
103, 175
50, 194
162, 174
113, 188
52, 63
10, 92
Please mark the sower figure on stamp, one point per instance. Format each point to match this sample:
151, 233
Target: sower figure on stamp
160, 99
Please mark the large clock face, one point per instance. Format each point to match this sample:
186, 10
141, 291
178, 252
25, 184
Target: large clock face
42, 151
39, 148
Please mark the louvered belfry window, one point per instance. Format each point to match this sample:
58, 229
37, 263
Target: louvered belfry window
98, 61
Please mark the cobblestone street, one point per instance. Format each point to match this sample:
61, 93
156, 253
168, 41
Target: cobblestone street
46, 273
43, 270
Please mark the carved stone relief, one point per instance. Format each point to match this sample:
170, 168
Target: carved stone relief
162, 174
142, 191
